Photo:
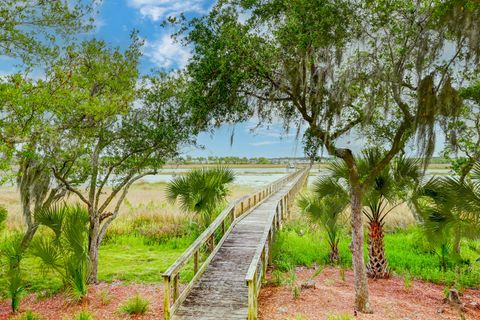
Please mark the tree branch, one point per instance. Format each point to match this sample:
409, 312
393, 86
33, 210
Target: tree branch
70, 188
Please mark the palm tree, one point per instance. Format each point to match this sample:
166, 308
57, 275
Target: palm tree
449, 207
390, 188
201, 191
326, 211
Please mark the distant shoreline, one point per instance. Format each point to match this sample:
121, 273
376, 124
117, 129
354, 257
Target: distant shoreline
280, 165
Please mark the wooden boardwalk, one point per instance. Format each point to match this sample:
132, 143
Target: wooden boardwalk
221, 291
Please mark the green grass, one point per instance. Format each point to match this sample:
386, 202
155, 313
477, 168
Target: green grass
297, 245
408, 253
132, 259
135, 305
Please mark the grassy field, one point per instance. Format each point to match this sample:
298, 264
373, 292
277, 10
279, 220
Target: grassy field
142, 199
128, 259
408, 252
147, 237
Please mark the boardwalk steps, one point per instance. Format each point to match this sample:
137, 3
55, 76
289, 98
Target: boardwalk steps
226, 284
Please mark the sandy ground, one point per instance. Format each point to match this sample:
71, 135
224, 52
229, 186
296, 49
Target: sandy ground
389, 299
331, 297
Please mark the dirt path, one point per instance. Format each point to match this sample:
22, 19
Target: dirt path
389, 299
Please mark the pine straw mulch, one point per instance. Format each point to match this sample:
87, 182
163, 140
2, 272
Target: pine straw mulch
57, 307
389, 299
332, 296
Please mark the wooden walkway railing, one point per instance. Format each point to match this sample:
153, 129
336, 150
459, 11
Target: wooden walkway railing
258, 268
220, 229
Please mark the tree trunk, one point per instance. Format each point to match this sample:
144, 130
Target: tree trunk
334, 254
28, 236
457, 241
362, 303
93, 244
377, 267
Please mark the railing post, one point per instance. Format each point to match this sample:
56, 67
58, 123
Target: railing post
241, 209
252, 298
269, 253
166, 298
212, 242
195, 262
175, 287
263, 258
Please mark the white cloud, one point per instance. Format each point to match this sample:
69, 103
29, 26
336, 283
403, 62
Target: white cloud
264, 143
166, 53
160, 9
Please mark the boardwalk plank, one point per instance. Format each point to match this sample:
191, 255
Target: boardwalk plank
222, 293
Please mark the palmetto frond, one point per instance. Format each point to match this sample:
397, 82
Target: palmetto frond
331, 186
448, 204
67, 252
201, 190
74, 233
48, 252
52, 217
325, 210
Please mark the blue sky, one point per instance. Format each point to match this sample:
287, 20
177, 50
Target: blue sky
117, 18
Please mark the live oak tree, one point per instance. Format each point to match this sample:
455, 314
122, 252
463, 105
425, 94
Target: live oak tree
464, 134
340, 67
107, 129
30, 29
30, 34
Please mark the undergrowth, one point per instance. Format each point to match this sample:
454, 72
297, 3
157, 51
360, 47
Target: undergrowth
408, 252
135, 305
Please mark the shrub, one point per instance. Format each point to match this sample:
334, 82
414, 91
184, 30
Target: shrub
29, 315
84, 315
407, 281
135, 305
105, 297
12, 252
3, 217
66, 252
296, 292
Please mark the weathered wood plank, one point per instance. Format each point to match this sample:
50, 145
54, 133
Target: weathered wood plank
221, 292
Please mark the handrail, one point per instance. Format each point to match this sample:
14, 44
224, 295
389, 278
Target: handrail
257, 269
234, 211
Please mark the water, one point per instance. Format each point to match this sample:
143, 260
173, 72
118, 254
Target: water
259, 177
252, 177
